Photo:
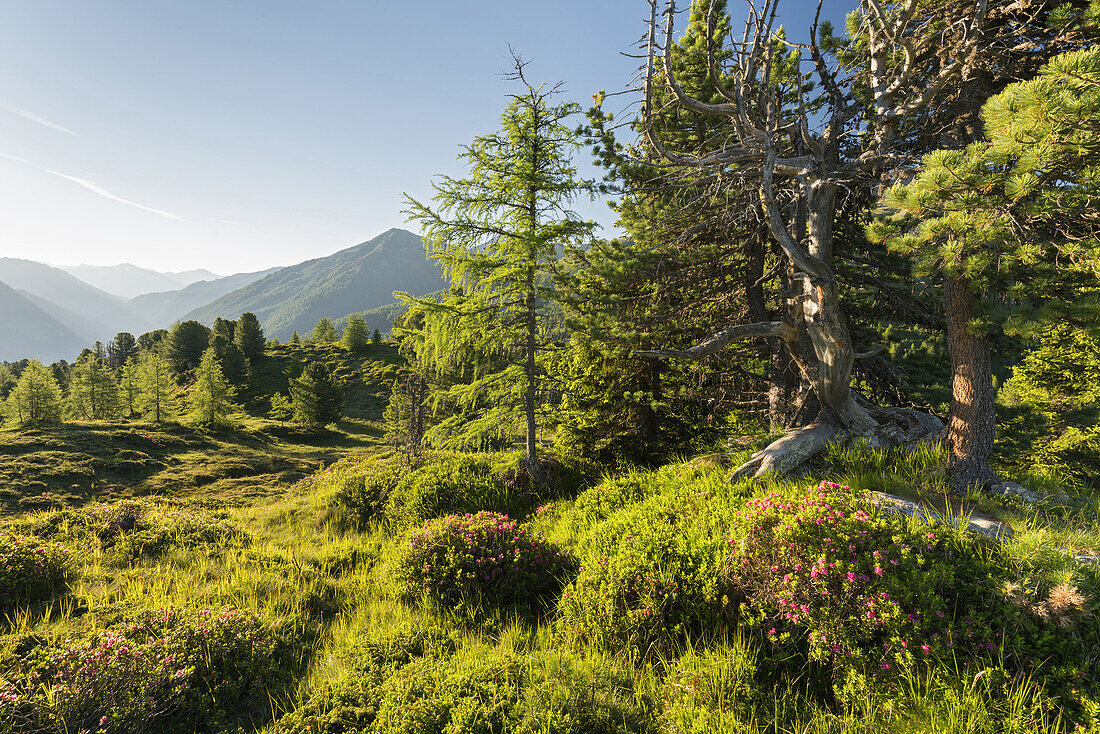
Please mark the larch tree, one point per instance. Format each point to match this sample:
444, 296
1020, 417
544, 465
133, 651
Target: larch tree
499, 233
129, 387
1012, 223
324, 331
157, 386
36, 397
93, 392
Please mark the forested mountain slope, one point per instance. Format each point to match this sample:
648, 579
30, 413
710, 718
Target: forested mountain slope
356, 279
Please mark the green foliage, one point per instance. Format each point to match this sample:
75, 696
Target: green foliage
360, 488
426, 681
325, 332
157, 398
249, 337
316, 397
121, 349
93, 392
653, 560
168, 670
31, 570
483, 557
129, 387
1057, 384
36, 397
448, 483
498, 234
210, 397
185, 344
1012, 217
355, 334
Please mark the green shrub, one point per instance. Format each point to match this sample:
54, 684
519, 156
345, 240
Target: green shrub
420, 682
486, 556
452, 483
657, 589
31, 570
361, 487
167, 671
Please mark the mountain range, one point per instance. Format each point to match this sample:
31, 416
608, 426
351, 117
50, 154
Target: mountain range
129, 281
50, 313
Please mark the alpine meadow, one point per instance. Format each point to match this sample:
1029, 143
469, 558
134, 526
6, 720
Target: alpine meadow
761, 396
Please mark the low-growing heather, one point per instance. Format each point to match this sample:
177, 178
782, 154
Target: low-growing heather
487, 556
168, 670
31, 570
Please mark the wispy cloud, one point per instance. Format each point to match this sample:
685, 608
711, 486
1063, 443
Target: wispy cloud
114, 197
222, 221
42, 121
14, 158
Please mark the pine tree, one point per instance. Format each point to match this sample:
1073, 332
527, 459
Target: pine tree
498, 234
120, 349
376, 337
157, 387
317, 399
210, 397
129, 387
295, 339
1011, 224
325, 332
185, 344
249, 337
93, 392
355, 334
224, 327
229, 356
36, 397
151, 340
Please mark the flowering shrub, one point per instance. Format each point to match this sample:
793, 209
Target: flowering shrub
487, 555
168, 670
861, 589
31, 569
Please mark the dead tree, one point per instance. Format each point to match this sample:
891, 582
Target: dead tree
799, 156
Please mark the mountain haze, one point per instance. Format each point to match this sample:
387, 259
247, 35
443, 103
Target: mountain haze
164, 309
102, 314
28, 331
128, 281
359, 278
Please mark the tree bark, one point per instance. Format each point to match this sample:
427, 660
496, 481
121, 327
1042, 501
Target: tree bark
531, 438
972, 427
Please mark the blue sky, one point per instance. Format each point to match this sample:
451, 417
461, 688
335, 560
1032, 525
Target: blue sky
238, 135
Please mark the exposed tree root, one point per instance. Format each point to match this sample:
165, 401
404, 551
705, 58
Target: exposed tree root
895, 428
